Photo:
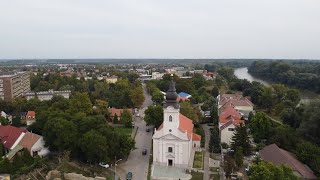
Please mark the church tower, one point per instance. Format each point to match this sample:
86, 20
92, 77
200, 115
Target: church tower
171, 109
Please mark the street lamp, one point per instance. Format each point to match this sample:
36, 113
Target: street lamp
115, 166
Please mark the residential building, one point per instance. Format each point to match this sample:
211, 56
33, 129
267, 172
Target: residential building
14, 85
229, 119
15, 139
174, 141
111, 79
276, 155
118, 112
30, 117
240, 103
47, 95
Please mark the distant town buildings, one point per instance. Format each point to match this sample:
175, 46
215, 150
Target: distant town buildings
47, 95
174, 141
14, 85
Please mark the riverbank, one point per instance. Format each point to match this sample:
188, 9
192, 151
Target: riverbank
242, 73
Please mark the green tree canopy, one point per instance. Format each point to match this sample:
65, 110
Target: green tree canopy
154, 116
270, 171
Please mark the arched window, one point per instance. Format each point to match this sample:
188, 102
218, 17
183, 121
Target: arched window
170, 118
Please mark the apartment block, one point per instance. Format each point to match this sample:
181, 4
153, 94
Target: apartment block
14, 85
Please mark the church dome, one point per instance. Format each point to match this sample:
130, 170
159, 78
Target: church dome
171, 96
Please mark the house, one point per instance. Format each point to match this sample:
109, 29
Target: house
6, 116
118, 112
111, 79
182, 96
47, 95
229, 119
15, 139
276, 155
240, 103
34, 143
30, 117
174, 141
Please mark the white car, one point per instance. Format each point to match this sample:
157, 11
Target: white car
104, 165
138, 115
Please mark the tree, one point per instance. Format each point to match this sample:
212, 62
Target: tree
310, 123
5, 166
1, 151
214, 143
115, 118
215, 91
260, 126
60, 134
101, 107
126, 118
137, 96
3, 121
189, 111
240, 139
228, 165
227, 73
80, 102
238, 156
154, 116
157, 97
270, 171
95, 146
310, 154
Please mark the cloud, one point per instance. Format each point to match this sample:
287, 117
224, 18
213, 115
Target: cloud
159, 29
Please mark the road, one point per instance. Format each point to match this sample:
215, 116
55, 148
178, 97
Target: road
137, 163
206, 168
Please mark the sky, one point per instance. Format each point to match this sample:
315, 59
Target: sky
284, 29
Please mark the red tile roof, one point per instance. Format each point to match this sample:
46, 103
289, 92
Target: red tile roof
234, 99
277, 155
32, 114
196, 137
28, 140
114, 111
9, 135
185, 124
230, 113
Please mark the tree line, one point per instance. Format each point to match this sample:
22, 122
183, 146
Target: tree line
302, 75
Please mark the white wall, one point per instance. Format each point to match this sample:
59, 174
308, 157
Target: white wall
226, 135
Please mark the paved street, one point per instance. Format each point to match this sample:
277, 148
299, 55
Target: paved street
206, 168
137, 163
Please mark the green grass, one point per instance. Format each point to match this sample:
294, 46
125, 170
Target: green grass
215, 176
214, 169
198, 160
124, 130
197, 176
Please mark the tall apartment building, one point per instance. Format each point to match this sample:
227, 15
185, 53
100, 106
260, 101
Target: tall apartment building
14, 85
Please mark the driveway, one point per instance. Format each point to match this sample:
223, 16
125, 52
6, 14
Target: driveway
137, 163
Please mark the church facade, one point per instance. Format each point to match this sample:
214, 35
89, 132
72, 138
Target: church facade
174, 141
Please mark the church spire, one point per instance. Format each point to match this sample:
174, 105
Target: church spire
171, 95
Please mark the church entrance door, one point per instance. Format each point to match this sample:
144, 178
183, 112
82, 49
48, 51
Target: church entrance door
170, 162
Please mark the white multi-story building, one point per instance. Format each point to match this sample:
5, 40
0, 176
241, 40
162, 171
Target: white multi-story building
47, 95
174, 141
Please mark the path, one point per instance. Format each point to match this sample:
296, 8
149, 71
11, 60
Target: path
206, 168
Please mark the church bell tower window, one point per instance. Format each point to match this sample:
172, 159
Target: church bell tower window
170, 118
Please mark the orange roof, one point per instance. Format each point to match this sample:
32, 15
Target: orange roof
28, 140
196, 137
185, 124
31, 113
114, 111
230, 113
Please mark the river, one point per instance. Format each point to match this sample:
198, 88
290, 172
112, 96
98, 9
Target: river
242, 73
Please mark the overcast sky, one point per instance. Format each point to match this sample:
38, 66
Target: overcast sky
160, 29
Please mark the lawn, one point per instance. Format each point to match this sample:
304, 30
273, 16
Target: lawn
124, 130
215, 176
198, 160
197, 176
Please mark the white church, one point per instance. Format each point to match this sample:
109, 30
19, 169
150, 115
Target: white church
174, 141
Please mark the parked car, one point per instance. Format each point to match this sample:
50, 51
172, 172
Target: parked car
137, 115
144, 152
129, 176
104, 165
